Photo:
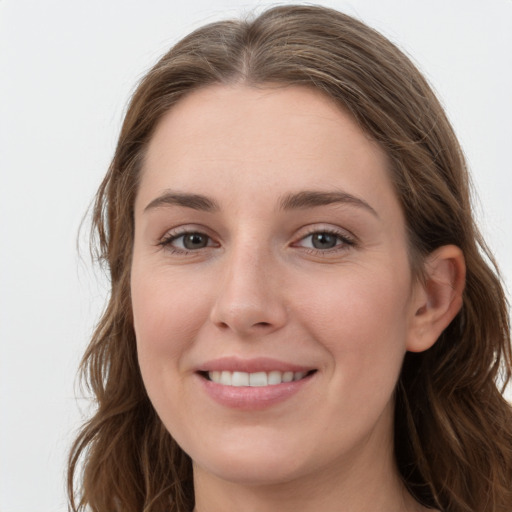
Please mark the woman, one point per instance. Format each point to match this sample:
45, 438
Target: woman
302, 314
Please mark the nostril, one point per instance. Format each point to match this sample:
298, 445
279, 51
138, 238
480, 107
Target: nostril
262, 324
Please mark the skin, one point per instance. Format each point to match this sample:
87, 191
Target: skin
256, 284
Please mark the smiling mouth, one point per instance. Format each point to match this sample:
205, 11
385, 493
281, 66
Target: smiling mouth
255, 379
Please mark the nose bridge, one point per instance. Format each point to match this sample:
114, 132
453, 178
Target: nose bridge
249, 297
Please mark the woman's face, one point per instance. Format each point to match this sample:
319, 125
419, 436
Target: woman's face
271, 287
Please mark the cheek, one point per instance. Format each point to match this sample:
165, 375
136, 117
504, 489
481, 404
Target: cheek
166, 325
361, 319
166, 319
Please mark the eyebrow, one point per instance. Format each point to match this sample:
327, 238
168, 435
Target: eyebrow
294, 201
194, 201
312, 199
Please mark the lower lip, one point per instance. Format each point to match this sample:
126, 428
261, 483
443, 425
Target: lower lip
253, 398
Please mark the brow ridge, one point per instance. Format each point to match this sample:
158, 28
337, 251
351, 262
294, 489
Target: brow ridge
293, 201
311, 199
187, 200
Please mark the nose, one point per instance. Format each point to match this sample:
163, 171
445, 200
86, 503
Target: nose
249, 301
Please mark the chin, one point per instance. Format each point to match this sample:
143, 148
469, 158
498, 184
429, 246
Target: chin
257, 464
249, 472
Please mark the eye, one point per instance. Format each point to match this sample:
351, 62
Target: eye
325, 241
188, 241
192, 241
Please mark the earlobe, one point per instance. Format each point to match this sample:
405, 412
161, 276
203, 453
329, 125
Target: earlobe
438, 298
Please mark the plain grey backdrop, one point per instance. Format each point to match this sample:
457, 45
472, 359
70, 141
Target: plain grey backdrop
67, 69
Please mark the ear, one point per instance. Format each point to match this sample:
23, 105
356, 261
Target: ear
438, 298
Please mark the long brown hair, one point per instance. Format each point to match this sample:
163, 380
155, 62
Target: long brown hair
453, 428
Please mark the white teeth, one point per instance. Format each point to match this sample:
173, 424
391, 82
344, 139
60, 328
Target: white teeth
240, 379
257, 379
275, 378
225, 378
287, 376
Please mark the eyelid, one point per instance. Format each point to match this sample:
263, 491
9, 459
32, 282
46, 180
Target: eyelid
175, 233
347, 239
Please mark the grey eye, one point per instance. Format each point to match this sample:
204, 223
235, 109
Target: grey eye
193, 241
324, 240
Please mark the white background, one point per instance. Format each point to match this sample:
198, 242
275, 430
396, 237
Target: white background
66, 71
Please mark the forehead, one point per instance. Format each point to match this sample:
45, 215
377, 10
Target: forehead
221, 139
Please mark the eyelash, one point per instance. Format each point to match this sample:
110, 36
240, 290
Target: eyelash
345, 240
169, 238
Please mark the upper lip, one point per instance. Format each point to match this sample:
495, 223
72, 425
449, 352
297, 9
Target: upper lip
259, 364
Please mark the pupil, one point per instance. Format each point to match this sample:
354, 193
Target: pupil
324, 241
195, 241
